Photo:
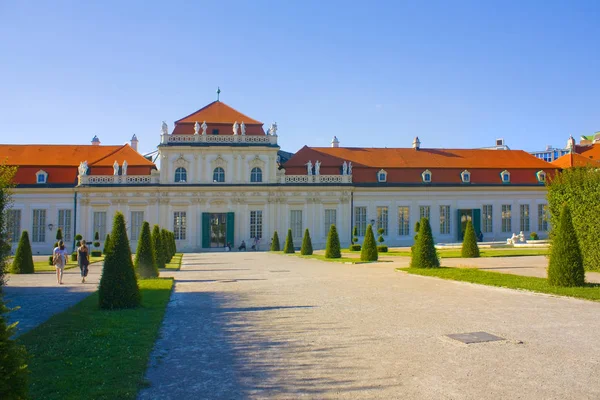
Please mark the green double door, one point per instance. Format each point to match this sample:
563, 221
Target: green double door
465, 215
217, 230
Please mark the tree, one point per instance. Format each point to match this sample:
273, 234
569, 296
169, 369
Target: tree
96, 240
157, 246
332, 247
145, 264
59, 235
369, 247
469, 246
423, 254
306, 249
106, 243
289, 243
566, 262
23, 261
275, 243
164, 237
355, 235
118, 286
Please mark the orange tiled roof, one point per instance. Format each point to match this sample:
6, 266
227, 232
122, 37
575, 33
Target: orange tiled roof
592, 151
218, 112
574, 160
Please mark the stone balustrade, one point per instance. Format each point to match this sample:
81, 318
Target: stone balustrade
317, 179
118, 179
220, 139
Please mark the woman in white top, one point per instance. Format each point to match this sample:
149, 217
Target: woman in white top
59, 259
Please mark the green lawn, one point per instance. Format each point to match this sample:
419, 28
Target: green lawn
88, 353
455, 253
321, 257
589, 292
175, 263
42, 266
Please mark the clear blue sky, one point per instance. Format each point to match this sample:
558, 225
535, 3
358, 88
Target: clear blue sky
455, 73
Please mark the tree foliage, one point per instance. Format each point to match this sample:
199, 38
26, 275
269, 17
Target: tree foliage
332, 247
566, 262
23, 261
423, 253
106, 243
145, 265
157, 246
59, 234
275, 242
579, 188
354, 235
470, 249
166, 242
306, 249
289, 243
118, 286
369, 247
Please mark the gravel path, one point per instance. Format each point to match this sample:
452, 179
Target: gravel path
258, 325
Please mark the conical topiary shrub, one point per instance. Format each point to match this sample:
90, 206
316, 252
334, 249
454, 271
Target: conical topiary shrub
275, 242
566, 262
164, 237
23, 261
423, 254
59, 235
145, 265
369, 247
332, 247
289, 243
157, 247
306, 249
469, 246
106, 244
173, 244
118, 285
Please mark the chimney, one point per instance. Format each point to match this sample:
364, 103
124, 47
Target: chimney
134, 142
335, 142
95, 141
571, 144
416, 143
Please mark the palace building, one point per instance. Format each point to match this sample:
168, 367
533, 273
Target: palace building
223, 179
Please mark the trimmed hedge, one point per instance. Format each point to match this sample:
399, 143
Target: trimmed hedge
275, 242
332, 248
288, 248
74, 256
533, 236
382, 248
469, 246
566, 262
23, 261
144, 264
369, 247
164, 237
306, 249
423, 253
355, 247
354, 235
157, 247
95, 253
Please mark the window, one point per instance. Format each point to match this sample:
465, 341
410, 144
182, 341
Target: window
180, 175
64, 223
424, 212
219, 175
426, 175
465, 176
38, 231
360, 220
382, 220
13, 224
487, 218
256, 224
99, 224
41, 176
444, 220
506, 218
541, 176
382, 176
137, 219
404, 221
542, 218
256, 175
524, 208
179, 225
215, 131
296, 224
330, 219
505, 176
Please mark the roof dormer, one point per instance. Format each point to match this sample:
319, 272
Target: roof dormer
41, 177
426, 176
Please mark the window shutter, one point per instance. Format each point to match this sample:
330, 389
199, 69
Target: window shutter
477, 220
205, 230
230, 228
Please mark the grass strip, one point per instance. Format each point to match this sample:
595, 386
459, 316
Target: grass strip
591, 291
43, 266
175, 263
455, 253
88, 353
343, 260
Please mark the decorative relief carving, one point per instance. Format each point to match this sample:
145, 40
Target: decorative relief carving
181, 162
256, 162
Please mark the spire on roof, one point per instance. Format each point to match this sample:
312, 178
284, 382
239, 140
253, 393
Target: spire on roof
95, 141
218, 92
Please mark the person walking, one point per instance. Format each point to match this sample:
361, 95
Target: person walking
59, 259
83, 259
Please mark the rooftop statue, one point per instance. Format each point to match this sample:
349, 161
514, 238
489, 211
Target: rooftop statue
349, 167
196, 128
116, 168
345, 168
273, 129
204, 126
317, 167
235, 128
124, 168
83, 167
243, 126
164, 128
309, 167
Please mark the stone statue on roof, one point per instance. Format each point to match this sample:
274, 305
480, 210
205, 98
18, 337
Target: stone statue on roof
116, 168
204, 126
196, 128
273, 129
317, 167
164, 128
243, 126
83, 167
345, 168
235, 128
309, 167
349, 167
124, 168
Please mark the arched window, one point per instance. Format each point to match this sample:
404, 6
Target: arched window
180, 175
219, 175
256, 175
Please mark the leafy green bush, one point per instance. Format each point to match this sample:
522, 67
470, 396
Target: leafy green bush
423, 254
97, 245
118, 286
157, 246
275, 242
59, 234
78, 237
533, 236
382, 248
469, 246
50, 259
380, 232
369, 248
306, 249
106, 244
355, 235
96, 253
332, 247
288, 248
566, 262
74, 256
23, 261
145, 264
96, 240
355, 247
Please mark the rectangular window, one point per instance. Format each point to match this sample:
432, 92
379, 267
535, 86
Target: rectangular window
404, 221
524, 208
360, 220
543, 217
179, 225
13, 224
382, 220
38, 231
99, 224
506, 218
296, 225
487, 218
330, 219
256, 224
444, 220
424, 212
137, 220
64, 223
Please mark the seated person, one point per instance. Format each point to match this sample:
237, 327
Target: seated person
242, 246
